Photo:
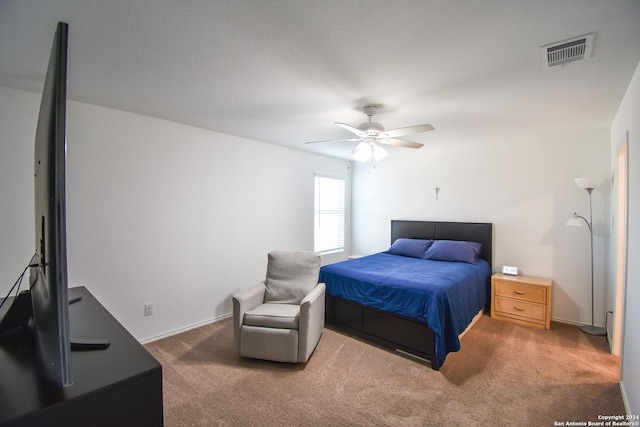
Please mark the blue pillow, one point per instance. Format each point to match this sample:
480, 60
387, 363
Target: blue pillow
454, 250
414, 248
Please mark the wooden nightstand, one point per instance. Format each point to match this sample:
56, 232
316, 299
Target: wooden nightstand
521, 299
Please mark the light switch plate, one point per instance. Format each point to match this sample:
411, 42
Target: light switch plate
513, 271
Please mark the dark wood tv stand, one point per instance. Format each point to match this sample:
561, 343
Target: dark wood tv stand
117, 386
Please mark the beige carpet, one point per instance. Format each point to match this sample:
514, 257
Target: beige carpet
505, 374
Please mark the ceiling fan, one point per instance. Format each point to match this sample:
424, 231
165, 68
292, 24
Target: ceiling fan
370, 134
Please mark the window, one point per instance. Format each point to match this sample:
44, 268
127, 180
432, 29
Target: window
328, 214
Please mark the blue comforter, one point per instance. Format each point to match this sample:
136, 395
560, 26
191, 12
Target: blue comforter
444, 295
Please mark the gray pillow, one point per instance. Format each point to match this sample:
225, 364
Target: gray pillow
291, 276
414, 248
453, 250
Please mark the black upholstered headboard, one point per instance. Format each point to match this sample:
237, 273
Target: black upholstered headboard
481, 232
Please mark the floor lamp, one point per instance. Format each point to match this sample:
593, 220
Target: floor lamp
576, 220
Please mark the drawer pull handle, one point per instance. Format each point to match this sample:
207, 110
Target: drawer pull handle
516, 291
515, 307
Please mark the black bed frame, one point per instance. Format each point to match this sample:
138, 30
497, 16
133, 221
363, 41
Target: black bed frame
394, 331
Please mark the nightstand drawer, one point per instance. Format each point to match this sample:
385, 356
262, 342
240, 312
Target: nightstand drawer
522, 299
522, 292
520, 308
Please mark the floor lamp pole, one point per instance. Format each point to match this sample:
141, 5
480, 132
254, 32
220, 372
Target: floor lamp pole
592, 329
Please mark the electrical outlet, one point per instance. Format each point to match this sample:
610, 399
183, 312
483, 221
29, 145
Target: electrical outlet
148, 309
513, 271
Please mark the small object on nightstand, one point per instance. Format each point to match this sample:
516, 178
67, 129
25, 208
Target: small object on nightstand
522, 299
512, 271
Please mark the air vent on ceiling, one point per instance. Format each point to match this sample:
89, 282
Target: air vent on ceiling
564, 52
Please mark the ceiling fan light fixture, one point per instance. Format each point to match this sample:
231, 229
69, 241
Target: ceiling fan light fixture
362, 152
379, 153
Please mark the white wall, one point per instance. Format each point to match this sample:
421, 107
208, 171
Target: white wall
627, 120
158, 212
17, 134
523, 184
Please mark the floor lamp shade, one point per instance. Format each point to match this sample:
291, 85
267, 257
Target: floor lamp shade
587, 183
576, 220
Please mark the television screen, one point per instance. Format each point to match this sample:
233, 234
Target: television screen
48, 278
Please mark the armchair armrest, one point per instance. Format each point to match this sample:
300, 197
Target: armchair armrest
313, 295
243, 302
311, 321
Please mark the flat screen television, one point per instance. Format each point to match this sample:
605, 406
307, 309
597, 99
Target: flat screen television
42, 312
48, 276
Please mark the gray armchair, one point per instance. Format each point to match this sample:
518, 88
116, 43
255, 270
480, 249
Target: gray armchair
282, 318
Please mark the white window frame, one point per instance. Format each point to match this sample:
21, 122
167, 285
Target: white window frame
334, 215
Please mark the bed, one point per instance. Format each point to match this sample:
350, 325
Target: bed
393, 301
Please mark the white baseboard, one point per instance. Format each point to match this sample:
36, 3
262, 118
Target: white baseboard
185, 329
569, 322
624, 400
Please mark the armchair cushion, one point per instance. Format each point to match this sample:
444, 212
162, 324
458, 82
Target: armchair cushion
269, 315
291, 276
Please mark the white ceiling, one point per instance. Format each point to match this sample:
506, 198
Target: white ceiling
282, 71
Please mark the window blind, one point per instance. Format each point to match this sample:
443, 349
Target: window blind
328, 215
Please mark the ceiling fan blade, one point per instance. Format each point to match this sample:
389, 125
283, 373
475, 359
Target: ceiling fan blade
394, 133
334, 140
352, 129
400, 143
